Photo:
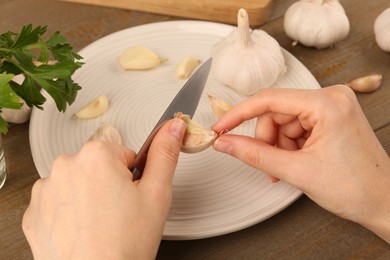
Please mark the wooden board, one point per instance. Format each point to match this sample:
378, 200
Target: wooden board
224, 11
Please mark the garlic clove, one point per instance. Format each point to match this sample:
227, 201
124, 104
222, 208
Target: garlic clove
366, 84
247, 60
382, 30
94, 109
316, 23
107, 133
197, 138
219, 106
186, 66
139, 58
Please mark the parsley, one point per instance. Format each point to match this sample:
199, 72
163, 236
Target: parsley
18, 51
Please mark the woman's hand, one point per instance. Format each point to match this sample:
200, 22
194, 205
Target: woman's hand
89, 208
320, 142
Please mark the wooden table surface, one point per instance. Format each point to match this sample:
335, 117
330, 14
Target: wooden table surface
303, 230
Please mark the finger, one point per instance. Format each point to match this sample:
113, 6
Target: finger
163, 155
282, 164
281, 101
266, 129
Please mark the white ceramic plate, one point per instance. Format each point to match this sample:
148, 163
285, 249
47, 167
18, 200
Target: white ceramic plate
213, 193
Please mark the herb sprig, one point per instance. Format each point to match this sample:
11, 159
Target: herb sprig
18, 55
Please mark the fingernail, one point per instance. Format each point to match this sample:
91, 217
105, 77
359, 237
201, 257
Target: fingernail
223, 146
177, 128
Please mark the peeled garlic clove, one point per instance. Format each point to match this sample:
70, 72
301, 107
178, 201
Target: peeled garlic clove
316, 23
219, 106
139, 58
382, 30
185, 67
366, 84
107, 133
197, 138
95, 108
247, 60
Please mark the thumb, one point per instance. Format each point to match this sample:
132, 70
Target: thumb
282, 164
163, 154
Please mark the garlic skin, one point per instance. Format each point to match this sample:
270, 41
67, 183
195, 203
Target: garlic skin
382, 30
107, 133
247, 60
316, 23
196, 138
366, 84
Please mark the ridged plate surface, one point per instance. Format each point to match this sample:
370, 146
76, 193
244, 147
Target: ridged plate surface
213, 193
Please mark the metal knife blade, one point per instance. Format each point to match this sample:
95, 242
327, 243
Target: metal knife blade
186, 101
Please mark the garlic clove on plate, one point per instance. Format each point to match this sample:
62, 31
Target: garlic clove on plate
197, 138
382, 30
219, 106
247, 60
186, 66
316, 23
93, 109
107, 133
366, 84
139, 58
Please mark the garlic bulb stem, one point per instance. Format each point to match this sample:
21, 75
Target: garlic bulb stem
243, 28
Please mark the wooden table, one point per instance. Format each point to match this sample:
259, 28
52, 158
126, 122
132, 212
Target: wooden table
303, 230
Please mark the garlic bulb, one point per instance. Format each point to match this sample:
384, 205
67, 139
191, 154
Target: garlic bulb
17, 116
247, 60
382, 30
316, 23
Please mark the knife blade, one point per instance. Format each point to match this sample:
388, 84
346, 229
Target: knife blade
186, 101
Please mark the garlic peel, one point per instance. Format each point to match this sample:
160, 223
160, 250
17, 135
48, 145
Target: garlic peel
93, 109
139, 58
185, 67
247, 60
382, 30
197, 138
316, 23
107, 133
366, 84
219, 106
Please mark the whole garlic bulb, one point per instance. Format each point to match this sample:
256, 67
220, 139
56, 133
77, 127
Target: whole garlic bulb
17, 116
382, 30
316, 23
247, 60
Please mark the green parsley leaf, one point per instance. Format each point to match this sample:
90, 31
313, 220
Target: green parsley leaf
18, 55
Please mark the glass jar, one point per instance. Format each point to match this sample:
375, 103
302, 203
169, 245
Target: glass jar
3, 170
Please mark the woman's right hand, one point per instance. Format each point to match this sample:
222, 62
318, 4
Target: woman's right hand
320, 142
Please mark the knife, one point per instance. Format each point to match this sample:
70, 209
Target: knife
186, 101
